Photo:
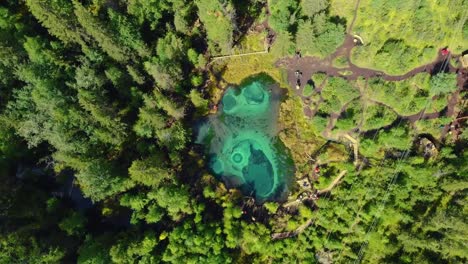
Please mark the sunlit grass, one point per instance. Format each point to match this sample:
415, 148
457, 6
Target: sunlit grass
238, 68
421, 27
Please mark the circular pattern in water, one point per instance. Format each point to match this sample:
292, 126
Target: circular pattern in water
254, 93
243, 144
237, 157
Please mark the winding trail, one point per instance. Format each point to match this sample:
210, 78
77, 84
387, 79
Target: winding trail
309, 65
354, 17
301, 228
332, 184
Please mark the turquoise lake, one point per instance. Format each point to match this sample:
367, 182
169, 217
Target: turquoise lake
242, 143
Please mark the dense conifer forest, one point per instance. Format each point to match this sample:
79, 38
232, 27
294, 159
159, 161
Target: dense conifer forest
100, 101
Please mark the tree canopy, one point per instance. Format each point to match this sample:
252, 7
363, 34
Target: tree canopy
100, 103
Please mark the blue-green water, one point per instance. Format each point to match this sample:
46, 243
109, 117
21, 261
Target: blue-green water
242, 143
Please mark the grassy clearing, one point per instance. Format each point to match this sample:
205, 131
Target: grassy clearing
340, 62
345, 72
238, 68
298, 135
343, 8
252, 42
401, 35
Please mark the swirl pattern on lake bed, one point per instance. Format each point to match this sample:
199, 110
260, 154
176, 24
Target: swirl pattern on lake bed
242, 140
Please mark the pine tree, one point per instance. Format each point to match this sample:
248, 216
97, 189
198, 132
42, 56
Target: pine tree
59, 19
217, 19
100, 33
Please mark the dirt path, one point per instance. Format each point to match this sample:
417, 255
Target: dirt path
462, 82
335, 182
300, 229
213, 59
309, 65
356, 8
309, 222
